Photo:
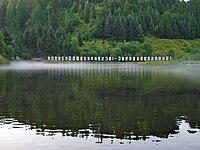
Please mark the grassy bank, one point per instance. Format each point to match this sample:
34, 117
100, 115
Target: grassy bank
176, 48
183, 49
3, 60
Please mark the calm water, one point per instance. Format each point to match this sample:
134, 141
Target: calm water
99, 106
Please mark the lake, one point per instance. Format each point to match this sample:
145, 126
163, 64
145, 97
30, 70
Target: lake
99, 106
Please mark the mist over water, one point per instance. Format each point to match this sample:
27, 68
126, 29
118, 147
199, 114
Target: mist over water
184, 71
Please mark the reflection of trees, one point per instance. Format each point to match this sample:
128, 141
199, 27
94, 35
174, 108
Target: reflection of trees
124, 103
2, 91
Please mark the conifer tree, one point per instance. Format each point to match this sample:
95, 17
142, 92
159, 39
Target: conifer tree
2, 44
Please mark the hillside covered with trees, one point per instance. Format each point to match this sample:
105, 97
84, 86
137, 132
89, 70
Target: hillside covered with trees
38, 28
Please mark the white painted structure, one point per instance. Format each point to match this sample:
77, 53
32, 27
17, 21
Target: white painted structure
108, 59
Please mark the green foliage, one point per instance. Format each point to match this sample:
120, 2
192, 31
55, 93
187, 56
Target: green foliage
116, 52
129, 49
143, 52
2, 14
193, 50
83, 53
10, 52
195, 57
171, 53
50, 27
3, 60
2, 44
26, 56
104, 52
151, 47
74, 46
91, 46
92, 53
148, 48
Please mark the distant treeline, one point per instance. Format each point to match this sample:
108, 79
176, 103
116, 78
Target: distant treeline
38, 28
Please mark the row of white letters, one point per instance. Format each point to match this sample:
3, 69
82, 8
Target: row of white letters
128, 59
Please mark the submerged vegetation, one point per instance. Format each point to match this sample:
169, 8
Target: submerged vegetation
38, 28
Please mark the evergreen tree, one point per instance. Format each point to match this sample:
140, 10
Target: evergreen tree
37, 18
49, 27
127, 8
2, 44
115, 29
2, 13
86, 12
74, 46
140, 34
99, 29
108, 26
22, 14
122, 29
50, 16
10, 20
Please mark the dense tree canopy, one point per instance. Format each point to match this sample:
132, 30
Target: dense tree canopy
37, 28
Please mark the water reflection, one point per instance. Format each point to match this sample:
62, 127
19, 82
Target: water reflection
93, 131
12, 123
102, 101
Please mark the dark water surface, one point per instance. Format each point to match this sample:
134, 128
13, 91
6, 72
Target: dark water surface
99, 106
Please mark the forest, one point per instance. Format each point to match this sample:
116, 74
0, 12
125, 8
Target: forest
40, 28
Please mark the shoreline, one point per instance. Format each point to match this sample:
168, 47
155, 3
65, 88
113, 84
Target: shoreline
148, 63
172, 62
